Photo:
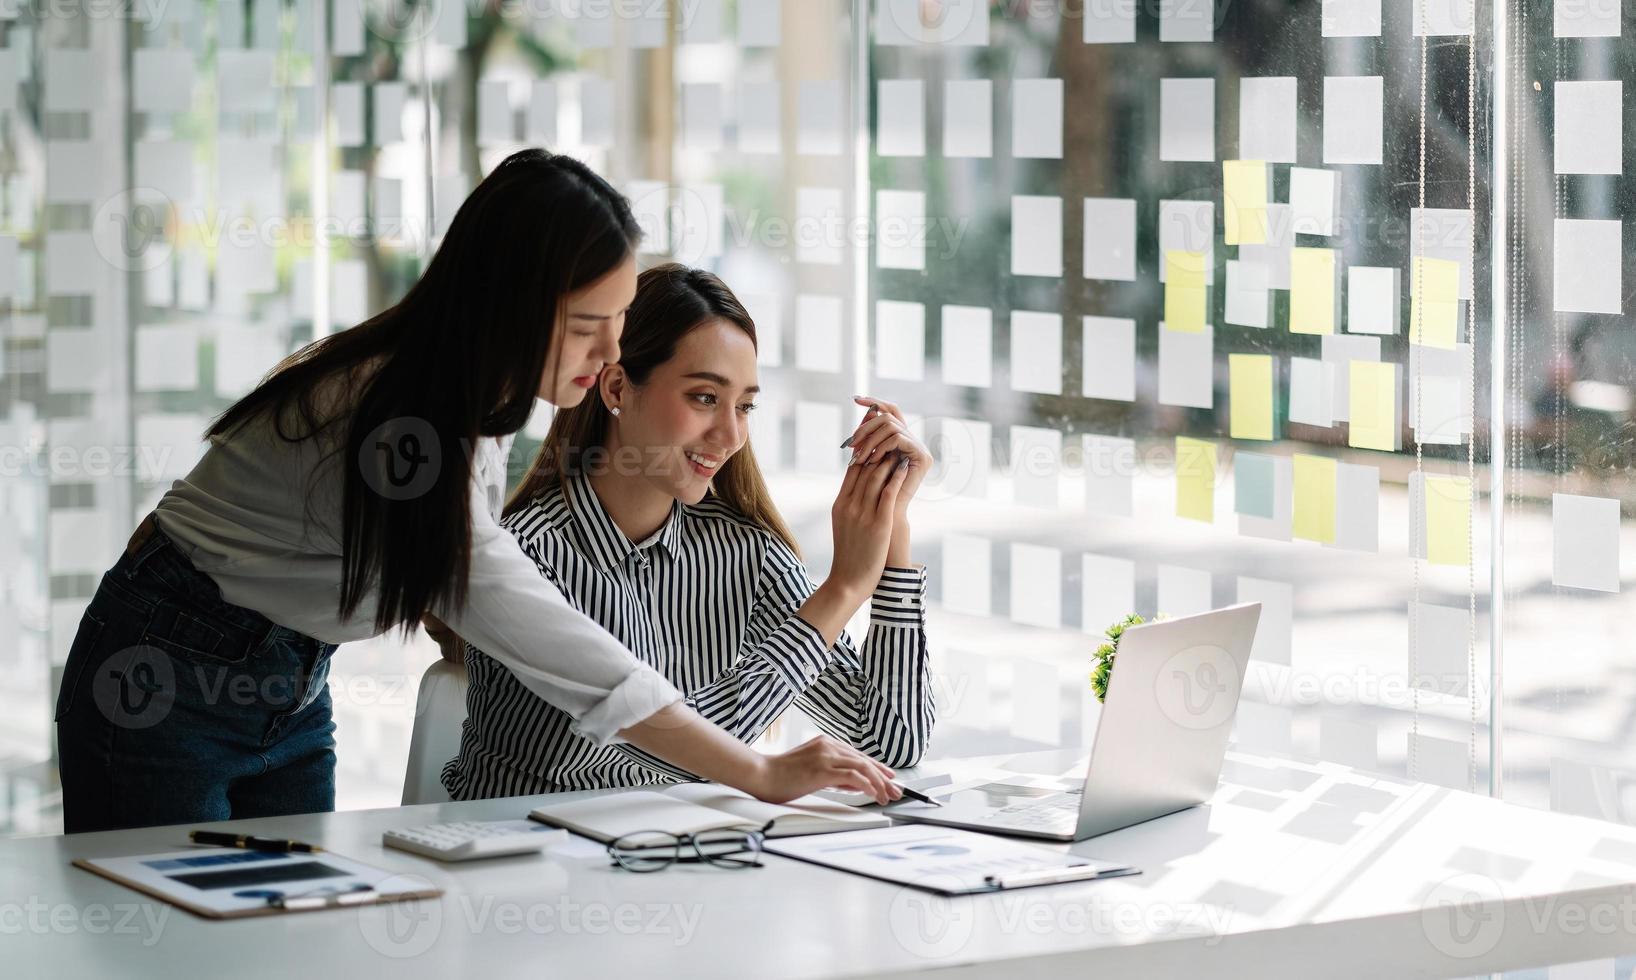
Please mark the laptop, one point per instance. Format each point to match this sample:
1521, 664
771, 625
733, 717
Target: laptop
1159, 744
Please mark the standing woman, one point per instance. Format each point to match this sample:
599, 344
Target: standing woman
354, 492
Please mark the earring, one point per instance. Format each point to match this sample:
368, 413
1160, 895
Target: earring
615, 411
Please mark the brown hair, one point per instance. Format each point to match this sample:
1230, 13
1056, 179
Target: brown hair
672, 301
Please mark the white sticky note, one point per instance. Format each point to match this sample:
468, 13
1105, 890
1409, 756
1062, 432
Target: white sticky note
1182, 591
243, 356
818, 333
1585, 542
758, 117
701, 117
1187, 20
1036, 464
955, 23
1351, 18
82, 540
1275, 254
967, 457
1189, 226
1036, 114
1437, 648
1357, 508
758, 23
162, 79
1354, 108
766, 435
1588, 127
1442, 233
970, 697
1109, 353
193, 283
1036, 701
700, 232
1110, 238
1266, 119
701, 22
1036, 352
968, 118
78, 360
1587, 264
346, 200
1036, 236
1109, 587
1036, 585
1314, 198
766, 311
1340, 350
900, 340
541, 124
72, 263
1442, 18
347, 112
900, 129
1311, 384
968, 346
75, 169
1109, 22
166, 166
70, 80
391, 97
497, 120
817, 434
900, 230
1275, 629
1110, 476
1280, 524
1248, 300
1350, 743
1585, 18
1186, 363
1187, 116
967, 574
1437, 416
244, 81
818, 118
596, 111
1373, 299
819, 215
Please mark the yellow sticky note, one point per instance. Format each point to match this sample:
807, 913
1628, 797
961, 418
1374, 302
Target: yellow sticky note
1448, 520
1373, 389
1244, 201
1195, 479
1250, 389
1434, 304
1314, 510
1312, 290
1184, 291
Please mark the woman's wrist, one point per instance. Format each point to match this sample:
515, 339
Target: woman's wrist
897, 551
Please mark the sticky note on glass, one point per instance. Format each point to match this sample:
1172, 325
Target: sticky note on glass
1447, 519
1253, 484
1314, 498
1314, 290
1585, 542
1251, 393
1195, 479
1434, 301
1374, 406
1244, 185
1184, 291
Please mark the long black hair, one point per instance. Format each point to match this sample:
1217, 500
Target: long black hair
460, 357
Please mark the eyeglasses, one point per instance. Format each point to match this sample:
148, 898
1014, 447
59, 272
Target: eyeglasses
655, 850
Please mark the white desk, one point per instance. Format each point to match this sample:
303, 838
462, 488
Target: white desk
1295, 869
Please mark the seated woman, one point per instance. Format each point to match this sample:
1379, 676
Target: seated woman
646, 508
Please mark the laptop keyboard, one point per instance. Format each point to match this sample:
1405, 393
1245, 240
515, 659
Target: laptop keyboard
1047, 811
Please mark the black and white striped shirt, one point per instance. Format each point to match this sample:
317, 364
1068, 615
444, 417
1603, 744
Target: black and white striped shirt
710, 602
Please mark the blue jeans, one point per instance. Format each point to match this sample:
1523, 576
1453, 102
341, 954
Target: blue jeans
177, 706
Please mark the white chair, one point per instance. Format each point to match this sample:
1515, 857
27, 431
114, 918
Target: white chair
440, 711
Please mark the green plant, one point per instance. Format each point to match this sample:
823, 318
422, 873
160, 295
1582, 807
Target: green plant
1108, 650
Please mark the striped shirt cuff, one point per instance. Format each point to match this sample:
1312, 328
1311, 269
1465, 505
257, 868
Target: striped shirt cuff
642, 692
900, 598
796, 650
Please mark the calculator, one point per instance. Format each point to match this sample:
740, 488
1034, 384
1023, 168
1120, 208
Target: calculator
474, 839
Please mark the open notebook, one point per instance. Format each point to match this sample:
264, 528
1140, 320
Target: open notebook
689, 808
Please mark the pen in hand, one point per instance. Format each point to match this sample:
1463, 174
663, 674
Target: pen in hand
916, 795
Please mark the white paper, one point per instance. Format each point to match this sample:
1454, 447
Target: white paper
541, 126
1189, 226
348, 293
766, 435
818, 116
1036, 236
1353, 117
1036, 699
1109, 21
967, 574
820, 220
1109, 355
965, 676
817, 437
1438, 416
1274, 630
1587, 263
1586, 18
967, 457
347, 28
72, 263
162, 79
1248, 300
818, 333
1036, 352
82, 541
1351, 18
391, 97
74, 169
78, 360
1182, 591
71, 78
1266, 119
1187, 20
758, 117
1036, 585
1036, 464
596, 111
496, 119
701, 22
346, 201
1110, 476
1109, 586
1186, 363
703, 222
1311, 384
167, 359
900, 230
1036, 114
1357, 507
1442, 233
758, 23
900, 130
900, 340
1314, 197
1110, 238
244, 81
243, 356
968, 346
1587, 124
1437, 646
1373, 299
968, 118
1274, 255
1585, 542
1187, 116
701, 117
767, 313
347, 110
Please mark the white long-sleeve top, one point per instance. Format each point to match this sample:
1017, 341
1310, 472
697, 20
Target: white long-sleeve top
244, 518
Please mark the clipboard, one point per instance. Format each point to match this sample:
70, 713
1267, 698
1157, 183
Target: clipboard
945, 860
232, 883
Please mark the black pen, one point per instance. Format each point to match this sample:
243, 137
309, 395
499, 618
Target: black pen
250, 842
916, 795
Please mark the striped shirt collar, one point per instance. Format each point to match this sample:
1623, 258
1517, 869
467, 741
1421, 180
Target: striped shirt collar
607, 544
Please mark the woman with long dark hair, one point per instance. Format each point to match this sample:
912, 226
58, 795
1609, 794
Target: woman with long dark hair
356, 491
